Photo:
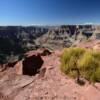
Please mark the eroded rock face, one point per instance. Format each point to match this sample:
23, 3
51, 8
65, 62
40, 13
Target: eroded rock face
32, 64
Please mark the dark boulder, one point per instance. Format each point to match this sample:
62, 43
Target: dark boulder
32, 64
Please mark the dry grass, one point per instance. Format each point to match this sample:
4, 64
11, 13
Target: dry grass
78, 62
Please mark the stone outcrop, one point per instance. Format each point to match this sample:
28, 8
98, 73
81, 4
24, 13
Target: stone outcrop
29, 65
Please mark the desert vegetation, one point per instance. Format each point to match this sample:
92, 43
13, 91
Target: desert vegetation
81, 63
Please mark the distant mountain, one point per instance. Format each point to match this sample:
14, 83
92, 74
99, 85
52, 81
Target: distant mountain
17, 40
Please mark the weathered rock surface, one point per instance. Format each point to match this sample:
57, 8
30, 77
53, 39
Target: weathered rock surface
48, 84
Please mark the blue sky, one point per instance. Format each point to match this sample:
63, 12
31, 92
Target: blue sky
49, 12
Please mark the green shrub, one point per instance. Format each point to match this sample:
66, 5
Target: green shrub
78, 62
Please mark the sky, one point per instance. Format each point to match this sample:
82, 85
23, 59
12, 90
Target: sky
49, 12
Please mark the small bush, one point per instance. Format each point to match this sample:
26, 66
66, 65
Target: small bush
78, 62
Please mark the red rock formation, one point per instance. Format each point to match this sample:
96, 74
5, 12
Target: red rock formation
53, 85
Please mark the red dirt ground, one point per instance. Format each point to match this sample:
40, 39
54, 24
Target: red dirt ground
46, 85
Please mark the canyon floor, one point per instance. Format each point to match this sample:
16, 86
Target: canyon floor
48, 84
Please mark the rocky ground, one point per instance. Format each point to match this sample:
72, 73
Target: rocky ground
48, 84
90, 44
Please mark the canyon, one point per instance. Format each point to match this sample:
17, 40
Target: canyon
30, 62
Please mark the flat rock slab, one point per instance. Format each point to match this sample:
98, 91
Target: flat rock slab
10, 83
